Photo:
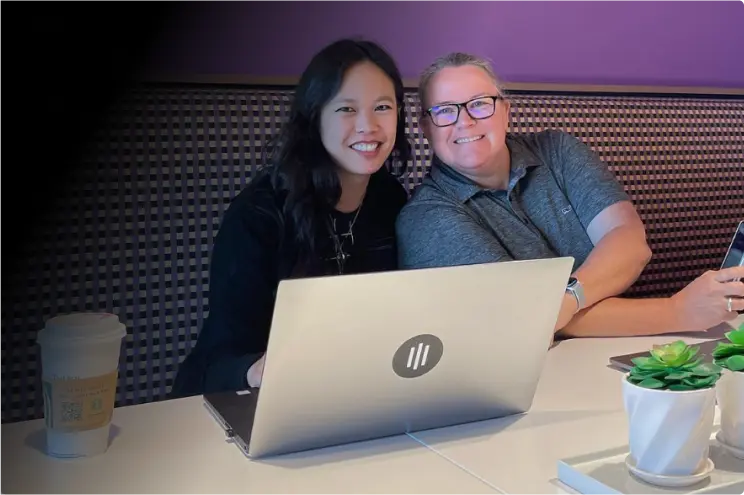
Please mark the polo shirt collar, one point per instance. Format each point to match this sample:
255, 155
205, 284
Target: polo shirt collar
459, 186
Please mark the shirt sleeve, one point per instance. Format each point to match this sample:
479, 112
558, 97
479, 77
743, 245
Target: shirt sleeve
242, 286
436, 233
589, 184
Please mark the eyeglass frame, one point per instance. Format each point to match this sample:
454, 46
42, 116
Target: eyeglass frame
462, 105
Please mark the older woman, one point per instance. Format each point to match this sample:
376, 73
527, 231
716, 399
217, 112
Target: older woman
492, 196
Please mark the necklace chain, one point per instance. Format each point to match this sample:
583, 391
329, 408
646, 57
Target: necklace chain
341, 255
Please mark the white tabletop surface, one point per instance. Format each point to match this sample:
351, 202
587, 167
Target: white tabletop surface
176, 447
578, 409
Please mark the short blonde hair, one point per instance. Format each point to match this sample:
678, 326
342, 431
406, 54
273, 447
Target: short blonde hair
454, 59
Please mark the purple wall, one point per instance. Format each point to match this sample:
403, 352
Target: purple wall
655, 43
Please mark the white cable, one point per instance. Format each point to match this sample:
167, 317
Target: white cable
457, 464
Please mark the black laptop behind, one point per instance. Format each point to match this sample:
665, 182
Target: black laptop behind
235, 412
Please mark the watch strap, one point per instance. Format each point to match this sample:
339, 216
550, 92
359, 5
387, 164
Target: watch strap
577, 290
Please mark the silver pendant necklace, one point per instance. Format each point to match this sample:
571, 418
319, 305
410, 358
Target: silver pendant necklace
339, 240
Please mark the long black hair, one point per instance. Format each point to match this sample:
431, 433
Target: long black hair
300, 166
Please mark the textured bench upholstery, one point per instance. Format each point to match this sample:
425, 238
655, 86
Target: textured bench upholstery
134, 232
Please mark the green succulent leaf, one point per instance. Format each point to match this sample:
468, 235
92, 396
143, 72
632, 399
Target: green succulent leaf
692, 364
648, 373
700, 382
730, 354
679, 387
675, 366
693, 352
706, 369
675, 354
736, 336
724, 350
648, 363
677, 375
734, 363
651, 383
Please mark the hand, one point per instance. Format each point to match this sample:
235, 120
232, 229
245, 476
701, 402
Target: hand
255, 372
567, 312
703, 303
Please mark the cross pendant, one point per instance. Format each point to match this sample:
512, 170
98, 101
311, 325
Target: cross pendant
340, 259
342, 256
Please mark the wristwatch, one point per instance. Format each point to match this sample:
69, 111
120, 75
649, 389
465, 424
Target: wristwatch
576, 289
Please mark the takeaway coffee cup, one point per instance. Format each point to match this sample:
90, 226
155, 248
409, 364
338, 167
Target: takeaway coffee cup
80, 363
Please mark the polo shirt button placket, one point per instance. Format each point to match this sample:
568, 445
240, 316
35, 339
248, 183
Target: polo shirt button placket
517, 214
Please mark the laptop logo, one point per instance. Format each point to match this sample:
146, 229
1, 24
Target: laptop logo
417, 356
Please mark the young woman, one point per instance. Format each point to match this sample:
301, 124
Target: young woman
325, 205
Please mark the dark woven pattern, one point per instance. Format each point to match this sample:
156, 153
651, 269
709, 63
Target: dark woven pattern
134, 232
680, 159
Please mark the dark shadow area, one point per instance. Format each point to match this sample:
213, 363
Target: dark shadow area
725, 460
64, 64
384, 446
717, 332
387, 446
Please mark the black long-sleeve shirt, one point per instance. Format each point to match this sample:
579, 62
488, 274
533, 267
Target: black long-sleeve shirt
254, 249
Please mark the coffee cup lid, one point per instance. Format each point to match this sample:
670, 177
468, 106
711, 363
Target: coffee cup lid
81, 326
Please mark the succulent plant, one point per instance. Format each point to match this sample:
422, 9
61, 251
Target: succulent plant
674, 366
730, 355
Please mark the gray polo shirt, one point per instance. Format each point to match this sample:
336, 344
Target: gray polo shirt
557, 185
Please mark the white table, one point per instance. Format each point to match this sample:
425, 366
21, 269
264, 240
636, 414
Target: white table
578, 409
176, 446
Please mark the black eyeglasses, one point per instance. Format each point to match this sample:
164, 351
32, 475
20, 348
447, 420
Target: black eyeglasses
478, 109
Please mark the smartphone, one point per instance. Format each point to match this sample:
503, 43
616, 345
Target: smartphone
735, 253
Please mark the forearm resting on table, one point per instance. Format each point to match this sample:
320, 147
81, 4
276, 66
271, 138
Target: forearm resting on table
614, 264
618, 317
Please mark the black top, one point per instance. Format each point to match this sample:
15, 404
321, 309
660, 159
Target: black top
254, 249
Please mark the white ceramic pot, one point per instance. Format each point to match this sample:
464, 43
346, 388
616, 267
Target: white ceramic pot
669, 432
730, 393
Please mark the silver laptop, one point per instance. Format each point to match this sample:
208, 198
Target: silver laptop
358, 357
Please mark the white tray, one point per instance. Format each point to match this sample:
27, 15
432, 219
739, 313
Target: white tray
605, 472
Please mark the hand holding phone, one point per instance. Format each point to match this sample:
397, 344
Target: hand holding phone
735, 254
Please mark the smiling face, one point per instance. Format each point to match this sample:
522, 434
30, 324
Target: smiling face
474, 147
358, 125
